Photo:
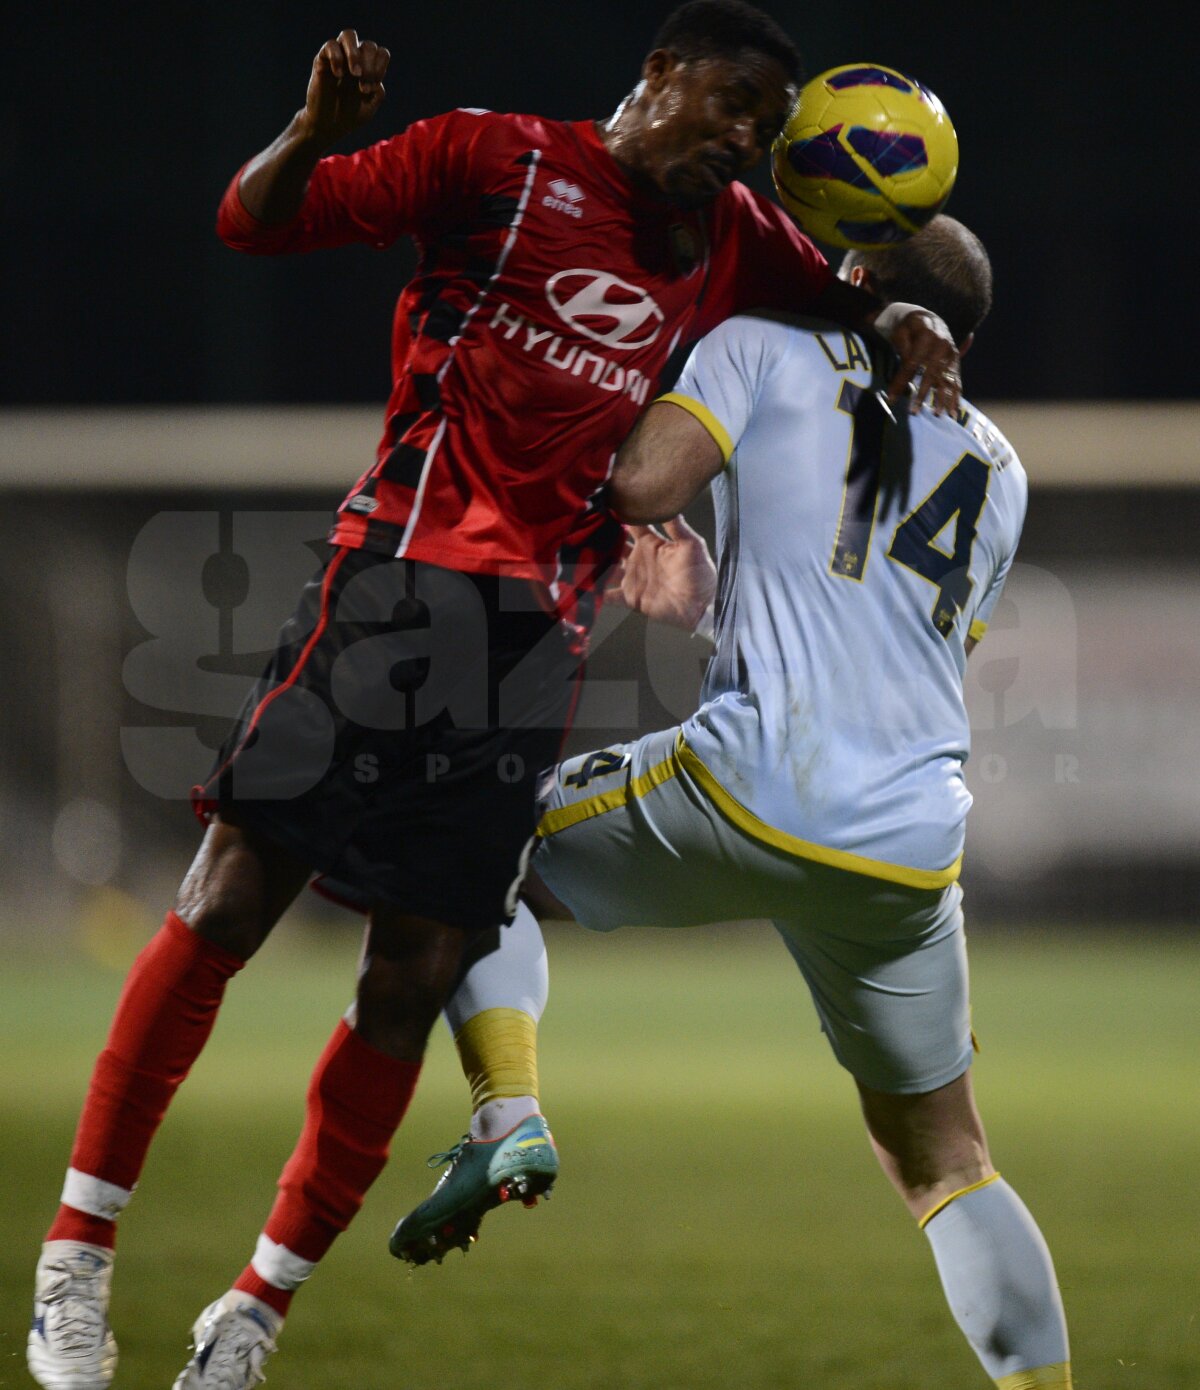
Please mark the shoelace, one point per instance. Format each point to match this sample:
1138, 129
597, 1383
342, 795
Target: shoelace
78, 1324
450, 1156
239, 1351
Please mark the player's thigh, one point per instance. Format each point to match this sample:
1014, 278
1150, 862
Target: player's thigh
396, 740
887, 969
628, 840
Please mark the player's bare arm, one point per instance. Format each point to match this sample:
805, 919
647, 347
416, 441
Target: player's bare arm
345, 89
664, 465
922, 341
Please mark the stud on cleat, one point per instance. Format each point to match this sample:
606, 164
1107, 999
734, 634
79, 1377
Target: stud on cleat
482, 1174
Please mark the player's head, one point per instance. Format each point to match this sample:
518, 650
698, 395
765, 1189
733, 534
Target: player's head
716, 87
944, 267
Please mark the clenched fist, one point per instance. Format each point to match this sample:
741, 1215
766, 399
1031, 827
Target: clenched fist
345, 88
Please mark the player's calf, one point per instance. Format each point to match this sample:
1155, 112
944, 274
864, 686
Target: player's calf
994, 1264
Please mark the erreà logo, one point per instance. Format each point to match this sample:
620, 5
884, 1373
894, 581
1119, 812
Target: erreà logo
564, 197
604, 308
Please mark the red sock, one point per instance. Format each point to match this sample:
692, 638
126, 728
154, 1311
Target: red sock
248, 1281
356, 1099
163, 1019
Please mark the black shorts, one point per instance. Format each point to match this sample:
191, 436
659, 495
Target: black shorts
396, 738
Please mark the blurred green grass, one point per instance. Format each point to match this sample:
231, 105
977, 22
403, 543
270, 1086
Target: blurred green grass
720, 1217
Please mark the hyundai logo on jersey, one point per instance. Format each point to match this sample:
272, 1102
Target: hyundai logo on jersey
604, 308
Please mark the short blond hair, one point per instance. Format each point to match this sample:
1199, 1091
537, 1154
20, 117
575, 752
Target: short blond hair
944, 267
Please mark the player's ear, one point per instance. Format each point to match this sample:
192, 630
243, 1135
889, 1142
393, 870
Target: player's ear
965, 346
860, 277
658, 68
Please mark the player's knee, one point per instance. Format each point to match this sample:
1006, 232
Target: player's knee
396, 1009
927, 1191
399, 1034
237, 888
219, 901
928, 1145
225, 921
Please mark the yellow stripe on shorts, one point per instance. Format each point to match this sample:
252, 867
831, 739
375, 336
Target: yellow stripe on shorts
563, 816
746, 820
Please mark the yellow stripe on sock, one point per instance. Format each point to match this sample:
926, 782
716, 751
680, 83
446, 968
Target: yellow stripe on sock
1056, 1377
953, 1197
498, 1050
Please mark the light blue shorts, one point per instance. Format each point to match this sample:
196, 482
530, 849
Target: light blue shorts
629, 838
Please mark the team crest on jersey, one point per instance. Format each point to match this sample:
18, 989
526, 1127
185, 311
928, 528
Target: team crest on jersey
564, 197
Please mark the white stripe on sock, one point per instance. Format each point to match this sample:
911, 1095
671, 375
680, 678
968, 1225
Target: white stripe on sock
278, 1266
94, 1195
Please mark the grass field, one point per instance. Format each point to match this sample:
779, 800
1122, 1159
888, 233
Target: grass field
719, 1220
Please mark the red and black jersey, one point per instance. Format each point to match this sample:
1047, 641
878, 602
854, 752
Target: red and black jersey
549, 295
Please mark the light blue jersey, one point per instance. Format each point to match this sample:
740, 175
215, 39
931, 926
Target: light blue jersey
832, 722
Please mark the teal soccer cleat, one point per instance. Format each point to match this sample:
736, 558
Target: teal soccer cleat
482, 1174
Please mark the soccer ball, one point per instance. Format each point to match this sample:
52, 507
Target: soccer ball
866, 157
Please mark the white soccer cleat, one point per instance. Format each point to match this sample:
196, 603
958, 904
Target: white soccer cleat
232, 1339
71, 1346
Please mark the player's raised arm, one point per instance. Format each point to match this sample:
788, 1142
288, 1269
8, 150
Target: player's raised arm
345, 89
923, 342
667, 461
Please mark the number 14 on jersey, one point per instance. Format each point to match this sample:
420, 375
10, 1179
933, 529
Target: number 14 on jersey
916, 543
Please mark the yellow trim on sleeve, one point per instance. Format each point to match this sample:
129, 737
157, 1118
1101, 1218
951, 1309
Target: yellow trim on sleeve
976, 630
747, 821
563, 816
953, 1197
710, 422
1056, 1377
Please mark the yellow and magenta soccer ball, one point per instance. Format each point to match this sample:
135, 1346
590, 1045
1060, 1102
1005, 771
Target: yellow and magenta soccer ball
866, 157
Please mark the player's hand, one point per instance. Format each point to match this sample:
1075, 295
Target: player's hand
927, 352
345, 88
669, 577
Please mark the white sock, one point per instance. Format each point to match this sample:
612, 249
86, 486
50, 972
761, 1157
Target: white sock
999, 1280
276, 1265
94, 1195
496, 1118
513, 976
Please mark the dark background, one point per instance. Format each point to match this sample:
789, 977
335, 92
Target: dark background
121, 125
